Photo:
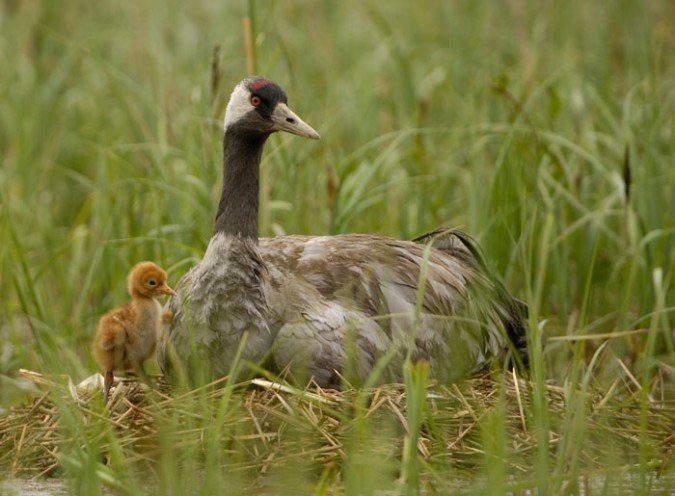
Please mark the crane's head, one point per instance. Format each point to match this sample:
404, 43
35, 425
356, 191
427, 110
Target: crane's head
258, 106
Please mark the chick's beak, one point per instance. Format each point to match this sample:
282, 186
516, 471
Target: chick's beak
284, 119
167, 290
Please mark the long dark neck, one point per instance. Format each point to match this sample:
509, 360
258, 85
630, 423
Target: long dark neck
238, 208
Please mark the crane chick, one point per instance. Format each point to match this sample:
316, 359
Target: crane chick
127, 336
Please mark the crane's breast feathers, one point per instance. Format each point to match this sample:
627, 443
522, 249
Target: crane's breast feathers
219, 299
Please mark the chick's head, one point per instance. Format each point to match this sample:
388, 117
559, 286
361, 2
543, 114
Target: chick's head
149, 280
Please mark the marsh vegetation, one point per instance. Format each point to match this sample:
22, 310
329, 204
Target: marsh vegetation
544, 129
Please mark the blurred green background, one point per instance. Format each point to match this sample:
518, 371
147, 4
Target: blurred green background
487, 115
517, 120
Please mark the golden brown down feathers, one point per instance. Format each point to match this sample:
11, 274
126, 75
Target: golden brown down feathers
127, 336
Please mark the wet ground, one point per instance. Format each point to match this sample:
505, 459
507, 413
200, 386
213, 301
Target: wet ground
30, 487
623, 484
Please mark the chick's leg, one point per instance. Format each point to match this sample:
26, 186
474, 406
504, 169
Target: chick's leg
167, 316
107, 384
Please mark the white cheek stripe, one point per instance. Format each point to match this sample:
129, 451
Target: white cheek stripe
238, 106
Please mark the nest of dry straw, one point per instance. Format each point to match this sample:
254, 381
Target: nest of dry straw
267, 424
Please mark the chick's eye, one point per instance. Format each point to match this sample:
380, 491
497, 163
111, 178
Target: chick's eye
152, 282
255, 100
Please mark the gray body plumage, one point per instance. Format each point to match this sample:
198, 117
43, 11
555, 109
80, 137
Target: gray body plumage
320, 307
306, 302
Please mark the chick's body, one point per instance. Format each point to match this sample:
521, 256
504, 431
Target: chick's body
127, 336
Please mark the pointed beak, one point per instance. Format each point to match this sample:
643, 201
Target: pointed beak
285, 119
167, 290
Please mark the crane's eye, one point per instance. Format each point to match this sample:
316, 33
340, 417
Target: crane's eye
152, 282
255, 100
